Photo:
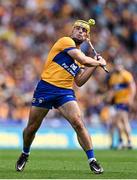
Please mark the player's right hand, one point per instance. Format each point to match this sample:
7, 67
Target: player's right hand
102, 61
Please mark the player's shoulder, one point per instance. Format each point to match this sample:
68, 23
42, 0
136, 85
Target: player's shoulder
66, 40
127, 74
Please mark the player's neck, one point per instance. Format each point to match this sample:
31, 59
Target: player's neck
77, 41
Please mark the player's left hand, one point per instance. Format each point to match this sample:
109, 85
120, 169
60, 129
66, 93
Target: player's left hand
98, 57
102, 61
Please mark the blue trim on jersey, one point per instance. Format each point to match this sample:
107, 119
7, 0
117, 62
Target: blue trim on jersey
120, 86
67, 62
47, 95
121, 106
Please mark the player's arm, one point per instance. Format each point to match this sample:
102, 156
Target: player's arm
86, 60
83, 76
132, 87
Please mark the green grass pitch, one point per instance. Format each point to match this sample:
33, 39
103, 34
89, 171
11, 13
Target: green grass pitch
69, 164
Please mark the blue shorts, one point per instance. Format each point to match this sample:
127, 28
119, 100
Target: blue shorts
123, 107
47, 95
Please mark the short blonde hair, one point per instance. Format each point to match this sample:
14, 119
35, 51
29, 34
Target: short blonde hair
85, 24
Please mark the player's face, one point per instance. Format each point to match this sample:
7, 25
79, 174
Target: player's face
79, 33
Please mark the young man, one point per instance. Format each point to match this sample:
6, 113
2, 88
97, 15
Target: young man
55, 89
123, 89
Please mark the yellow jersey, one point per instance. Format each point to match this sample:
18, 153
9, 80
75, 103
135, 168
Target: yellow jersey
60, 68
120, 84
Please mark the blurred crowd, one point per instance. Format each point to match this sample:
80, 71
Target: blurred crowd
28, 29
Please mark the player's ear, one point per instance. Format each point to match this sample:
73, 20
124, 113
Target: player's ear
88, 36
72, 30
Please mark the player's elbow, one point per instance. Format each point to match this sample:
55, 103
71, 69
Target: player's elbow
79, 83
85, 62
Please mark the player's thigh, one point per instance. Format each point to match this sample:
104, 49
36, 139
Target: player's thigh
122, 116
71, 111
36, 115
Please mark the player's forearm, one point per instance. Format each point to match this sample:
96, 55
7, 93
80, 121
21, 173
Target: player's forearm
132, 87
90, 62
84, 60
84, 76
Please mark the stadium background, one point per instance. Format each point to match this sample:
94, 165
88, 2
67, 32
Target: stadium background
27, 31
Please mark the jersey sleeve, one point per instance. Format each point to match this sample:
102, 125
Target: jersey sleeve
66, 44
